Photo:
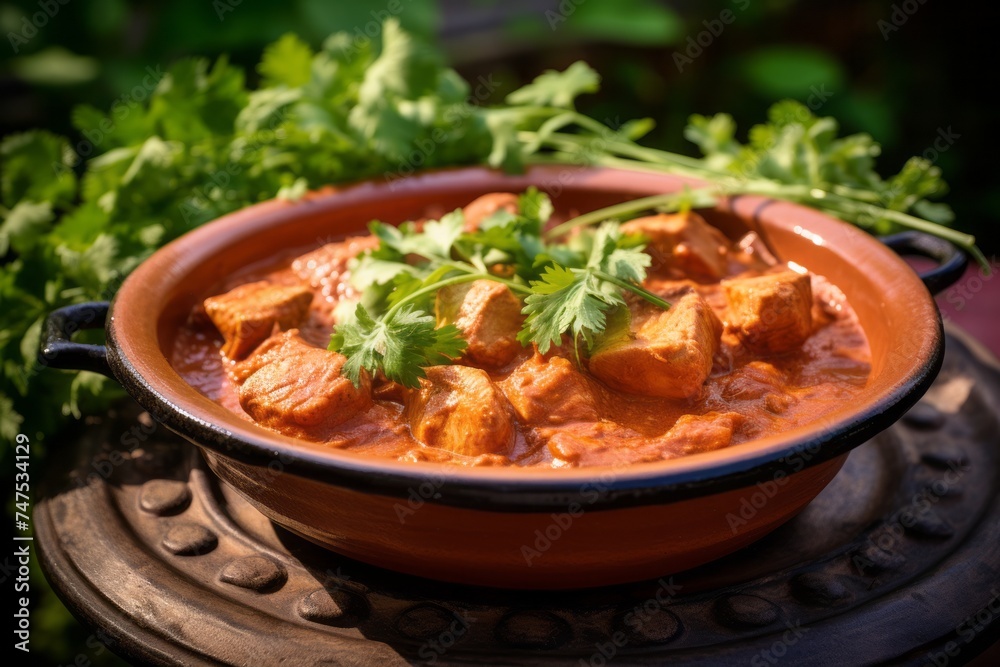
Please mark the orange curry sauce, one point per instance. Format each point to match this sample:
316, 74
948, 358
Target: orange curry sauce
731, 361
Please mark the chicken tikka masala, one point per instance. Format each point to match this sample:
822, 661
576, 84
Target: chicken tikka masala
748, 347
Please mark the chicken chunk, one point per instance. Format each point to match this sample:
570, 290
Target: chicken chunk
459, 409
590, 443
489, 316
770, 313
247, 315
327, 262
703, 433
483, 207
684, 242
297, 389
550, 391
669, 354
753, 381
325, 269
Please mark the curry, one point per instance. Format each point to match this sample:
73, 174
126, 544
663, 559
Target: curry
747, 347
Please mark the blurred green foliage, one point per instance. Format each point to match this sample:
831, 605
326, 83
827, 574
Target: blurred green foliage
899, 85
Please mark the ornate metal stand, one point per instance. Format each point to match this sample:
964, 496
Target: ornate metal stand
897, 560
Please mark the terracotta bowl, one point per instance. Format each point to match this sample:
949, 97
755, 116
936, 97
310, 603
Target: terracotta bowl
515, 528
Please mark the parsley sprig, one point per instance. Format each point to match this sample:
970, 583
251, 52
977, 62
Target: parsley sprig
568, 289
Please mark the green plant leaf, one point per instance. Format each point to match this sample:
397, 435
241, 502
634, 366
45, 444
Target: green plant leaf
24, 226
287, 62
37, 166
558, 89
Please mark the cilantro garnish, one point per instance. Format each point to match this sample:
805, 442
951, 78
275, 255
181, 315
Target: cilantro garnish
400, 344
76, 222
568, 289
576, 300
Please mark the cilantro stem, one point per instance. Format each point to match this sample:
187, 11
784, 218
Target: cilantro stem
469, 276
965, 241
585, 143
625, 208
572, 116
485, 275
869, 196
635, 289
848, 204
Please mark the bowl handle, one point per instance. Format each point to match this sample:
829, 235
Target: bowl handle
952, 262
57, 347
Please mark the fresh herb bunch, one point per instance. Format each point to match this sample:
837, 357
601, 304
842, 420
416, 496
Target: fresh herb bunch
568, 288
795, 156
78, 217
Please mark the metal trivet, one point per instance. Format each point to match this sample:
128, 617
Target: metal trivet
897, 560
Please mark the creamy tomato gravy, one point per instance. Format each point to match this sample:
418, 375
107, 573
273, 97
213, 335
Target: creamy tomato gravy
756, 380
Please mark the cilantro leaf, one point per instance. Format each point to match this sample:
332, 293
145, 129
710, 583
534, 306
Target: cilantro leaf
617, 329
10, 421
916, 181
798, 149
536, 208
370, 269
440, 235
565, 300
558, 89
434, 241
507, 153
575, 300
405, 95
716, 137
511, 239
287, 62
561, 299
407, 67
24, 226
37, 166
400, 345
628, 264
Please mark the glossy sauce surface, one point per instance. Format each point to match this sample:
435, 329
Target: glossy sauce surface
747, 394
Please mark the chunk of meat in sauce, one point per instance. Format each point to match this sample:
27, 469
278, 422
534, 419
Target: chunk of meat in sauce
325, 267
458, 408
483, 207
597, 443
755, 381
550, 391
770, 313
326, 271
752, 381
692, 434
297, 389
682, 244
669, 354
661, 396
247, 315
489, 316
444, 456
